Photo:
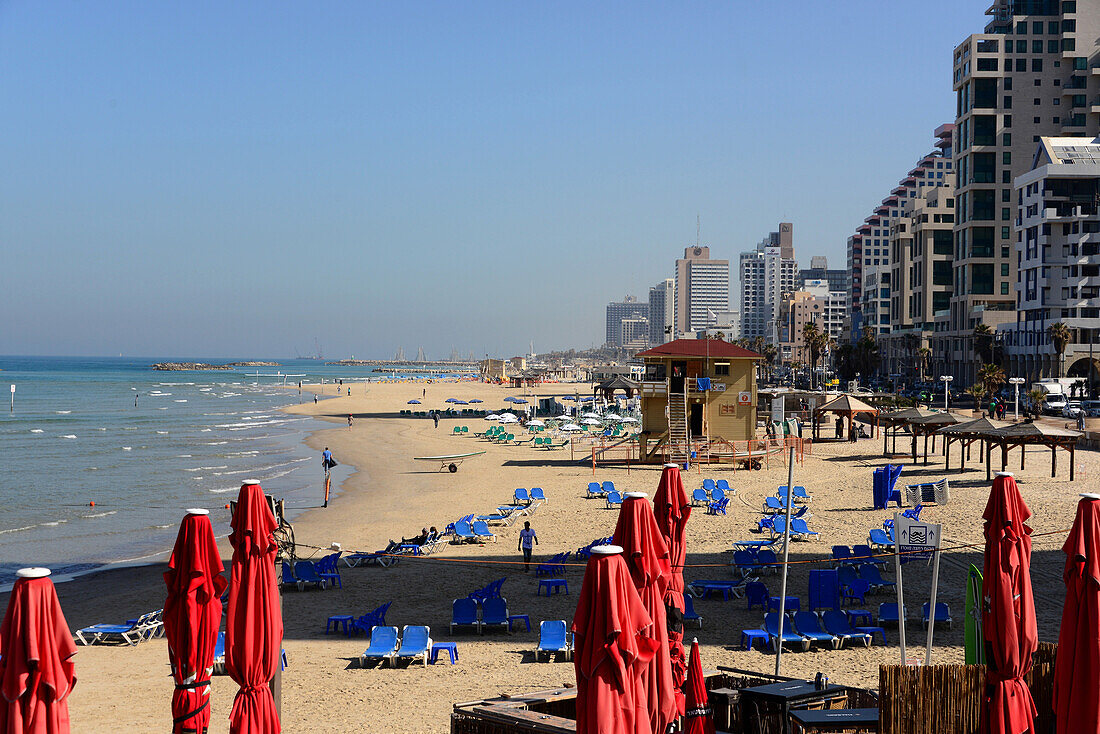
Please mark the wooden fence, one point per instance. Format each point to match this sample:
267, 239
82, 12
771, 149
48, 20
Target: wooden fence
947, 699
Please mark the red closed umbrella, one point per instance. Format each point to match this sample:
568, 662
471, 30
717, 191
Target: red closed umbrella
1008, 614
192, 615
646, 557
37, 671
254, 628
613, 642
699, 718
672, 509
1077, 667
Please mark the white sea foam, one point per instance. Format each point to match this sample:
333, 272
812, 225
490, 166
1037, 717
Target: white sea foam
63, 412
223, 491
53, 524
163, 433
205, 430
37, 430
127, 448
183, 456
216, 443
17, 530
179, 401
201, 468
68, 435
100, 514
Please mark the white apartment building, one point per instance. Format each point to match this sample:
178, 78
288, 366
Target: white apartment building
662, 311
702, 289
768, 274
1058, 260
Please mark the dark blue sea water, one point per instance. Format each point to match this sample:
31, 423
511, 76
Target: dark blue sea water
76, 437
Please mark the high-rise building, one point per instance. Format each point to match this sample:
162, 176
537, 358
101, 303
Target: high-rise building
819, 270
702, 289
769, 272
1058, 249
662, 312
617, 312
1029, 75
920, 261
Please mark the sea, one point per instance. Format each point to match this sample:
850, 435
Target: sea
144, 446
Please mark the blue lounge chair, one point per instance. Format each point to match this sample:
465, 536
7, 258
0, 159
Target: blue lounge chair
536, 494
888, 612
594, 490
522, 496
716, 495
756, 594
306, 571
943, 613
608, 487
481, 530
131, 633
842, 555
554, 637
807, 624
799, 526
383, 645
288, 576
463, 532
718, 507
613, 498
767, 560
869, 573
771, 626
836, 623
464, 614
699, 497
723, 485
744, 562
690, 615
494, 613
772, 504
855, 591
416, 642
218, 665
846, 576
879, 539
708, 485
863, 554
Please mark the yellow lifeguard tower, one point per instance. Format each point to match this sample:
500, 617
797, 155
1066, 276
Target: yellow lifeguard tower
696, 392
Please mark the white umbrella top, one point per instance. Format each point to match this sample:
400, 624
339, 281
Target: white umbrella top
590, 415
536, 423
571, 427
590, 422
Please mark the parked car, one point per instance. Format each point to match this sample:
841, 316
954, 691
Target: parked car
1092, 408
1072, 409
1054, 404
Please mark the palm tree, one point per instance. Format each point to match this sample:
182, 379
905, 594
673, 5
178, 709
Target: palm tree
983, 342
1060, 335
991, 377
810, 339
1037, 398
924, 357
977, 391
866, 353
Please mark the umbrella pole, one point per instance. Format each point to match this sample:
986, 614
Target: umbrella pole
786, 559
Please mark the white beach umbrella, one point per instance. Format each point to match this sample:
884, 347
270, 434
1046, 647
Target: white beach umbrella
590, 415
537, 424
612, 417
571, 427
506, 416
492, 417
628, 419
590, 422
506, 419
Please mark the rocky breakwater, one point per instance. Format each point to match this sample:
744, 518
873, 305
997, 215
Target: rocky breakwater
188, 366
253, 364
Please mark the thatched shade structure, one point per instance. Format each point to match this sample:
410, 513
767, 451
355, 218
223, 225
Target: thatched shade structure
898, 420
928, 426
1033, 434
607, 388
977, 430
847, 407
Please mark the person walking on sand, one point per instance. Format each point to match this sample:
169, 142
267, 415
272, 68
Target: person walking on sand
314, 399
349, 420
527, 542
435, 417
327, 462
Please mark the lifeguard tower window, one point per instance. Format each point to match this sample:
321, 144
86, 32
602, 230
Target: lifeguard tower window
676, 381
696, 419
721, 369
655, 371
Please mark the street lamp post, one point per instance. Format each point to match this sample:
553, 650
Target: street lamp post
1016, 382
946, 380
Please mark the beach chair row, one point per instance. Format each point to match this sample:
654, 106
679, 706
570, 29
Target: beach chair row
855, 555
218, 667
488, 591
132, 631
586, 550
386, 646
831, 628
470, 530
762, 561
489, 613
596, 489
554, 565
705, 496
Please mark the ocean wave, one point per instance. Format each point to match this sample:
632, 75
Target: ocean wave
53, 524
162, 433
183, 456
62, 412
179, 401
17, 530
37, 430
205, 430
223, 491
216, 443
100, 514
201, 468
68, 435
127, 448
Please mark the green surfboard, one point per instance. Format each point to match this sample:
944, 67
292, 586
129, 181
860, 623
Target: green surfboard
975, 645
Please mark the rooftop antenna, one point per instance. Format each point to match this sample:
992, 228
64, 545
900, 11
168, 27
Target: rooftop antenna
697, 230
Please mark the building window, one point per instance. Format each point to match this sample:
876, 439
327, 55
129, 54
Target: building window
1036, 65
1037, 46
1004, 270
1021, 64
981, 279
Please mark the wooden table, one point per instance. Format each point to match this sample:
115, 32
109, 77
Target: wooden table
835, 720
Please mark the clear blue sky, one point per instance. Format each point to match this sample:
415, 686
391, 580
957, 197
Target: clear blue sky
238, 179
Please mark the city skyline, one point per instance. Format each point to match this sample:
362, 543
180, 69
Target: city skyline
185, 181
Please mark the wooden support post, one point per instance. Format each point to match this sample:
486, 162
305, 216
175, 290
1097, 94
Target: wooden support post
926, 449
914, 431
1023, 455
988, 474
1004, 456
885, 438
1054, 460
1071, 462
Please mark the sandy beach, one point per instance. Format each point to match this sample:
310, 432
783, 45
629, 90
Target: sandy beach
390, 495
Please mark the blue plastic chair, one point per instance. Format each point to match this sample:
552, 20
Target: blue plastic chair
699, 497
536, 494
767, 560
855, 591
288, 575
807, 624
464, 614
554, 637
690, 615
613, 498
888, 612
480, 528
416, 642
723, 485
798, 525
842, 554
717, 495
708, 484
846, 575
463, 531
522, 496
943, 613
756, 594
772, 504
608, 487
383, 644
744, 562
879, 538
718, 507
594, 490
494, 613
